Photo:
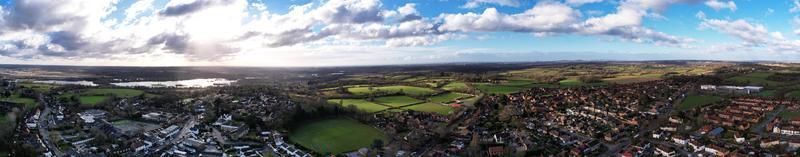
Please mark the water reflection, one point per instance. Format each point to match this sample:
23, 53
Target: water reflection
193, 83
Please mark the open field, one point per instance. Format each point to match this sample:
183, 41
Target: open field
410, 90
793, 94
767, 93
360, 104
119, 92
455, 85
38, 87
448, 97
336, 135
92, 100
397, 101
633, 78
757, 79
17, 98
431, 107
693, 101
570, 82
497, 89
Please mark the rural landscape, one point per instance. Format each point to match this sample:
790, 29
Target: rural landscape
669, 108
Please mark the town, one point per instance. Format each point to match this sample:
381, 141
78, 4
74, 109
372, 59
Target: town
690, 108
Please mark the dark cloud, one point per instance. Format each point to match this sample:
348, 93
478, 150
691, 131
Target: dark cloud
195, 6
70, 41
39, 15
172, 42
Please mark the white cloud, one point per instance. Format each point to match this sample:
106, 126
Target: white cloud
544, 17
796, 7
719, 5
476, 3
581, 2
754, 36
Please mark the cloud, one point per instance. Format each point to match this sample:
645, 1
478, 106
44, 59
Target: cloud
753, 35
581, 2
796, 7
544, 17
183, 9
477, 3
718, 5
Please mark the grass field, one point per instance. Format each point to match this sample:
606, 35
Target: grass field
448, 97
92, 100
360, 104
789, 114
16, 98
336, 135
431, 107
410, 90
38, 87
767, 93
757, 79
455, 86
633, 78
497, 89
570, 82
397, 101
693, 101
793, 94
119, 92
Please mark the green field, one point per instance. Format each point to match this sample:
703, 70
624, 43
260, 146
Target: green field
38, 87
497, 89
693, 101
336, 136
767, 93
397, 101
633, 78
455, 86
431, 107
757, 79
448, 97
570, 82
793, 94
789, 114
92, 100
17, 98
119, 92
360, 104
410, 90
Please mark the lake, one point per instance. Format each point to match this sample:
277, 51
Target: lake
193, 83
59, 82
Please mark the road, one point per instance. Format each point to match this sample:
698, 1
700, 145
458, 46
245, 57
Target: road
44, 133
181, 135
759, 128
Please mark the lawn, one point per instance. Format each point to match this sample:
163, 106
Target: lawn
119, 92
17, 98
767, 93
336, 136
693, 101
793, 94
92, 100
410, 90
360, 104
448, 97
431, 107
789, 114
455, 86
397, 101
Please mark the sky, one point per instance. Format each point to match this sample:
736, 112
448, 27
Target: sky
382, 32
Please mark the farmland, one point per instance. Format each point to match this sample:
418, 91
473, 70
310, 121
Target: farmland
360, 104
397, 101
431, 107
410, 90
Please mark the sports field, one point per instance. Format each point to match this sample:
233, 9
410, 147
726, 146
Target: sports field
431, 107
336, 136
448, 97
410, 90
360, 104
693, 101
397, 101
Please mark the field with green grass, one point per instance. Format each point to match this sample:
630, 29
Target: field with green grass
360, 104
119, 92
789, 114
626, 79
757, 79
793, 94
767, 93
455, 86
693, 101
410, 90
17, 98
448, 97
397, 101
431, 107
570, 82
38, 87
92, 100
336, 136
497, 89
